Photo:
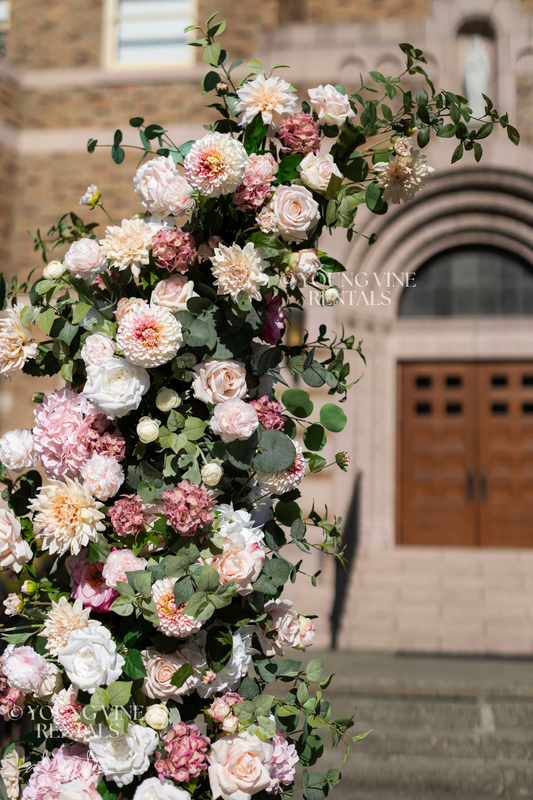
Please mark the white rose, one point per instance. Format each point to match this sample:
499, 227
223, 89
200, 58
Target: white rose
403, 146
315, 171
332, 107
118, 563
85, 259
54, 270
78, 790
331, 296
52, 684
285, 622
296, 212
148, 429
13, 604
211, 473
150, 181
233, 420
90, 658
167, 399
304, 265
156, 789
96, 347
177, 196
102, 477
229, 678
157, 716
14, 551
16, 450
124, 756
173, 293
218, 381
115, 386
240, 766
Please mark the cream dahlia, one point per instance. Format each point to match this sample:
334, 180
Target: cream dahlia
215, 164
402, 176
273, 98
239, 269
127, 246
16, 345
61, 620
281, 482
149, 336
12, 766
66, 518
66, 716
172, 620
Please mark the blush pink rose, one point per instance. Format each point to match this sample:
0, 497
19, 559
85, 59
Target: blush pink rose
238, 562
85, 259
234, 419
102, 477
173, 293
96, 347
296, 212
118, 563
286, 623
78, 790
14, 551
159, 671
239, 766
24, 668
150, 182
17, 451
88, 584
177, 196
304, 265
218, 381
307, 633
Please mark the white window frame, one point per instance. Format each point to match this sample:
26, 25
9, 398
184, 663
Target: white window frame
5, 26
110, 44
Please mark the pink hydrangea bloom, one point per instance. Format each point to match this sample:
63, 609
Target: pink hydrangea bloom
284, 760
256, 186
105, 439
61, 433
174, 250
67, 763
269, 413
128, 516
88, 584
188, 507
184, 755
275, 319
300, 133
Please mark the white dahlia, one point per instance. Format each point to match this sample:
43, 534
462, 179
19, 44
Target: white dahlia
16, 345
66, 518
62, 619
239, 269
172, 620
273, 98
149, 336
127, 246
66, 716
215, 164
281, 482
402, 176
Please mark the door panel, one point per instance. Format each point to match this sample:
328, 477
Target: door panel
438, 454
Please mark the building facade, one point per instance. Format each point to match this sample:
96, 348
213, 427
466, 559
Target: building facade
441, 424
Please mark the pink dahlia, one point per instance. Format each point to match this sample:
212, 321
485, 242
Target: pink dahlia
128, 516
174, 250
188, 507
61, 433
149, 336
184, 755
172, 620
283, 763
88, 584
256, 186
269, 413
67, 763
66, 716
215, 164
300, 133
274, 320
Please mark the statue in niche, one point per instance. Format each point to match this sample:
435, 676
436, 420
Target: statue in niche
477, 74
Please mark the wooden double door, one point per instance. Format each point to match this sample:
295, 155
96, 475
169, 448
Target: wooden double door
465, 458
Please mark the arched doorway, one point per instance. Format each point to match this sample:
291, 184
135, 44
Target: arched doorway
466, 427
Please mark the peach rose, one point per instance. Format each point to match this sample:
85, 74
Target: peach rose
307, 633
286, 623
173, 293
96, 347
14, 551
159, 671
315, 171
233, 420
239, 766
218, 381
296, 212
238, 562
118, 563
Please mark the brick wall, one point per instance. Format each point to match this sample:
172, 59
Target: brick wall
366, 10
524, 103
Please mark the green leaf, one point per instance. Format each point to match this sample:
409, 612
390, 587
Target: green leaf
88, 715
423, 137
183, 590
194, 428
80, 311
124, 589
276, 452
122, 606
374, 199
303, 693
254, 134
181, 675
134, 666
315, 786
98, 551
218, 647
136, 122
118, 721
288, 668
103, 790
457, 153
478, 151
241, 452
297, 402
316, 463
117, 154
513, 135
314, 670
211, 53
315, 437
91, 144
100, 699
142, 582
485, 130
119, 692
210, 81
269, 243
46, 320
209, 579
333, 418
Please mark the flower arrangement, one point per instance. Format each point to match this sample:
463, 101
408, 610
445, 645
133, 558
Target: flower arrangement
144, 649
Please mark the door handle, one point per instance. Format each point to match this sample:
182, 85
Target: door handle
470, 485
483, 487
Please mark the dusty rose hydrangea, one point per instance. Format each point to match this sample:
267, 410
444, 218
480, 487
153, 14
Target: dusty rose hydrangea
269, 413
107, 442
256, 186
300, 133
188, 507
174, 250
283, 763
128, 516
184, 755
